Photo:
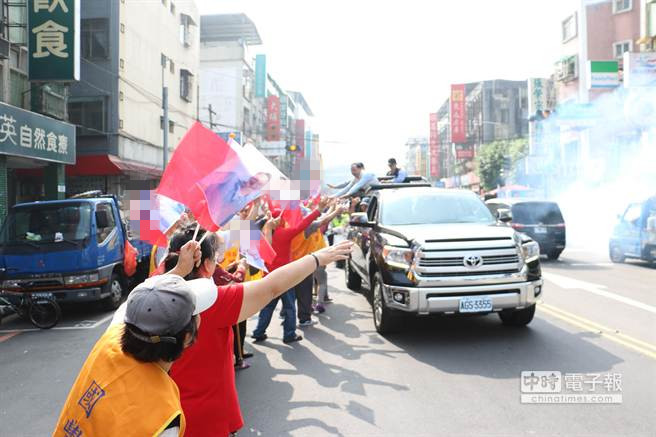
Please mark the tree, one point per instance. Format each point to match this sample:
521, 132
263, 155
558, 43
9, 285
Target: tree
496, 161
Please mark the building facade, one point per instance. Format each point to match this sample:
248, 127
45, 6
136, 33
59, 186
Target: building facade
36, 143
131, 51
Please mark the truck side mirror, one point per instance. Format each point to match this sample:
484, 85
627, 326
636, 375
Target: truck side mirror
360, 219
651, 223
504, 215
102, 220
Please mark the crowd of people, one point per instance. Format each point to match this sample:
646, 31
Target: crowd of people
166, 365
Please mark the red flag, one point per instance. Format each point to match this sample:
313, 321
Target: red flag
200, 152
266, 251
129, 259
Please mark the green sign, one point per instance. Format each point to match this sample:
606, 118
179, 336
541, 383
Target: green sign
54, 40
31, 135
603, 74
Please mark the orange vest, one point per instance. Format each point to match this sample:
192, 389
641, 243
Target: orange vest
116, 395
302, 246
231, 255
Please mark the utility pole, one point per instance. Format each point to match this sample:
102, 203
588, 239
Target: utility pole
165, 108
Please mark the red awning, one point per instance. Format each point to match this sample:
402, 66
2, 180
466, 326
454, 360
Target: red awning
108, 165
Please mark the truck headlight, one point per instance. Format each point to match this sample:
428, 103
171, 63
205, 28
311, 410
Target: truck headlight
530, 251
398, 257
81, 279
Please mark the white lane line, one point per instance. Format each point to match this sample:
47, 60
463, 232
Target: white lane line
589, 264
86, 324
601, 290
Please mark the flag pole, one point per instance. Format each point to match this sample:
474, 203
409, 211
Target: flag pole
204, 235
196, 231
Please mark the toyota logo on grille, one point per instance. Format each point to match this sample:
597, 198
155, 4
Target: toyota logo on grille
473, 261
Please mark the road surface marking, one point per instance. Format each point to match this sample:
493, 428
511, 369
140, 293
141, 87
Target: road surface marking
588, 264
570, 283
8, 336
86, 324
611, 334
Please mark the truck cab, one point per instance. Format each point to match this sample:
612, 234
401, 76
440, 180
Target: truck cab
634, 235
72, 250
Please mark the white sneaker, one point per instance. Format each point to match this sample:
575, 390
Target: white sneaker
307, 323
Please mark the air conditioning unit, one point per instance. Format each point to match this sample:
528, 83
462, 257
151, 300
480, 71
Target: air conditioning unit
4, 48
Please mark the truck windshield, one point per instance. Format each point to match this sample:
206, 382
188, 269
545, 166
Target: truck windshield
435, 209
44, 224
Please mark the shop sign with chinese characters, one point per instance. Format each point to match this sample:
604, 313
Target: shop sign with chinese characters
54, 40
31, 135
458, 114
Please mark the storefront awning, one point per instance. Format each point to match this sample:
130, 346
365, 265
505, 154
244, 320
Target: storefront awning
108, 165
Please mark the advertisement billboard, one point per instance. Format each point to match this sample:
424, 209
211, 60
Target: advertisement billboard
260, 76
273, 119
640, 69
603, 74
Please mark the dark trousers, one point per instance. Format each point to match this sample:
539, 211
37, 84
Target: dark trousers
304, 298
239, 333
288, 305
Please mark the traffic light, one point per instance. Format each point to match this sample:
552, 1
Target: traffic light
293, 148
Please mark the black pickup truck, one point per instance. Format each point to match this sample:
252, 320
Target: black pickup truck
423, 250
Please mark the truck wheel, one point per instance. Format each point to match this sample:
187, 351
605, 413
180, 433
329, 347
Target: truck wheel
353, 280
115, 289
554, 255
385, 320
615, 254
517, 317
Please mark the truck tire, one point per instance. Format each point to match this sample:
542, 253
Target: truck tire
615, 254
115, 289
353, 280
386, 320
554, 254
517, 317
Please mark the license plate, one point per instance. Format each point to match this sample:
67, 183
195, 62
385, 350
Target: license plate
476, 304
42, 295
540, 230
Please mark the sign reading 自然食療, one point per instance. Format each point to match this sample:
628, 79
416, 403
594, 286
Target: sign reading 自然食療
31, 135
54, 40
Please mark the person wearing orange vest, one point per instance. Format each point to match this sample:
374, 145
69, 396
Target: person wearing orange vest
123, 387
305, 243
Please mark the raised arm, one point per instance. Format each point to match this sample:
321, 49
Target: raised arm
344, 190
363, 182
259, 293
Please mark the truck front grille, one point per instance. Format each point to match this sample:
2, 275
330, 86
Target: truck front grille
448, 258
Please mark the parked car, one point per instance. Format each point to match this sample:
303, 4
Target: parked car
425, 250
634, 235
71, 250
540, 220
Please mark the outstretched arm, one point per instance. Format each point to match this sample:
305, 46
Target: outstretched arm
259, 293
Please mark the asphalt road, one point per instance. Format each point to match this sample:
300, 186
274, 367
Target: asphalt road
440, 376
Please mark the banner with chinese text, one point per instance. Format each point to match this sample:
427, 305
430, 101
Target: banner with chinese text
434, 147
458, 115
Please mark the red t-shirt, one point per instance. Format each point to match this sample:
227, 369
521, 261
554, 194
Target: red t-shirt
205, 373
282, 240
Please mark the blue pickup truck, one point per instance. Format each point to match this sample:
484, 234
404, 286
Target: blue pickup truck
72, 250
634, 235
